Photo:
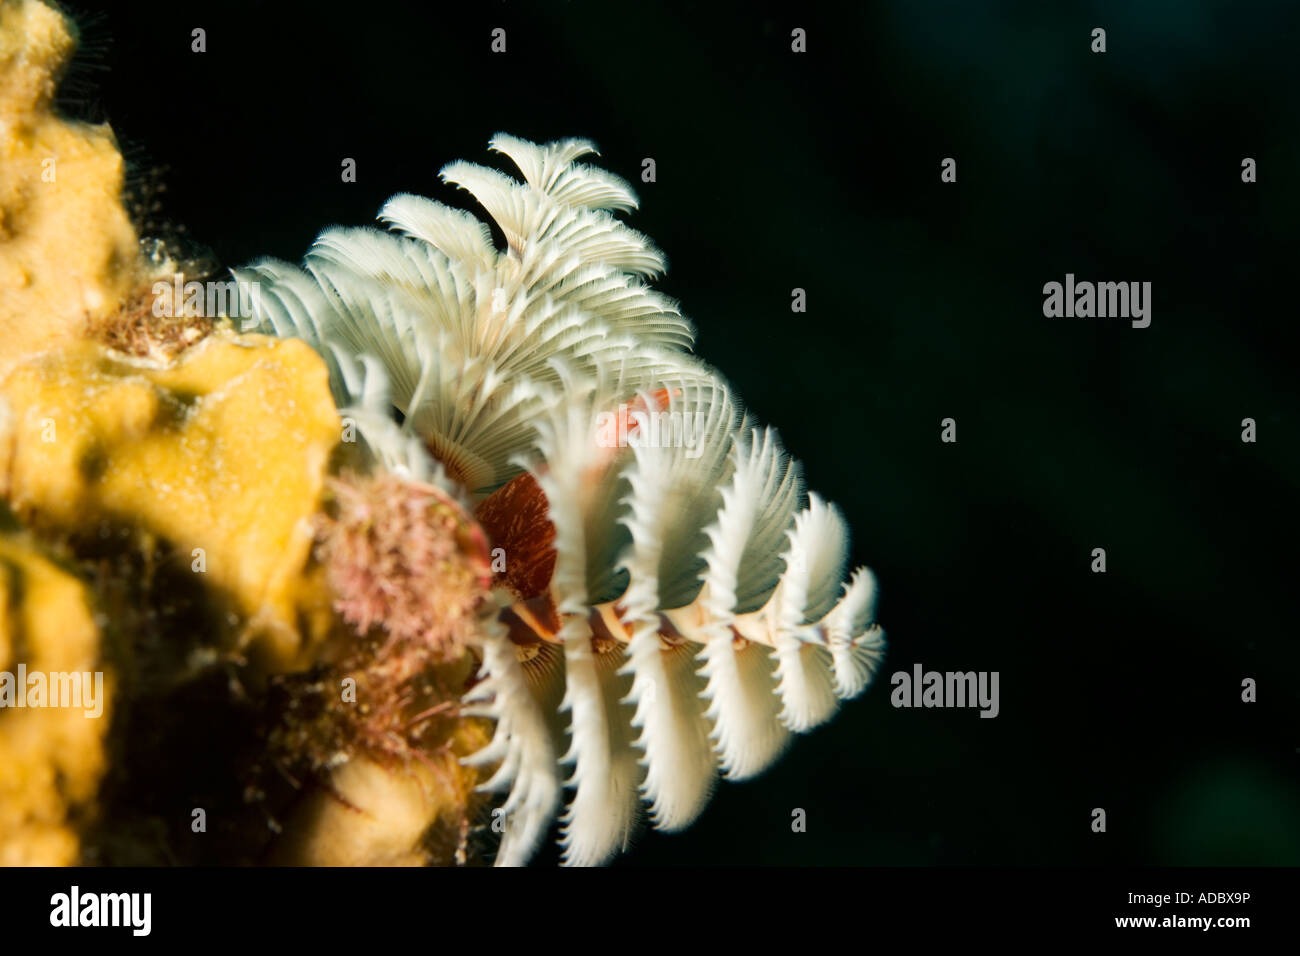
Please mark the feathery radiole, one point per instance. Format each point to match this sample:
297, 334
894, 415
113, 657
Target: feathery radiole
672, 606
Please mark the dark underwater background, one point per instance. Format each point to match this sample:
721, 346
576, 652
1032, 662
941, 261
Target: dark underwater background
821, 171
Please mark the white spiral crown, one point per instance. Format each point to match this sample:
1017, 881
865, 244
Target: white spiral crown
702, 618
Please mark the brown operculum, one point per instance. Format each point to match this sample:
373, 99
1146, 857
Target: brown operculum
516, 519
